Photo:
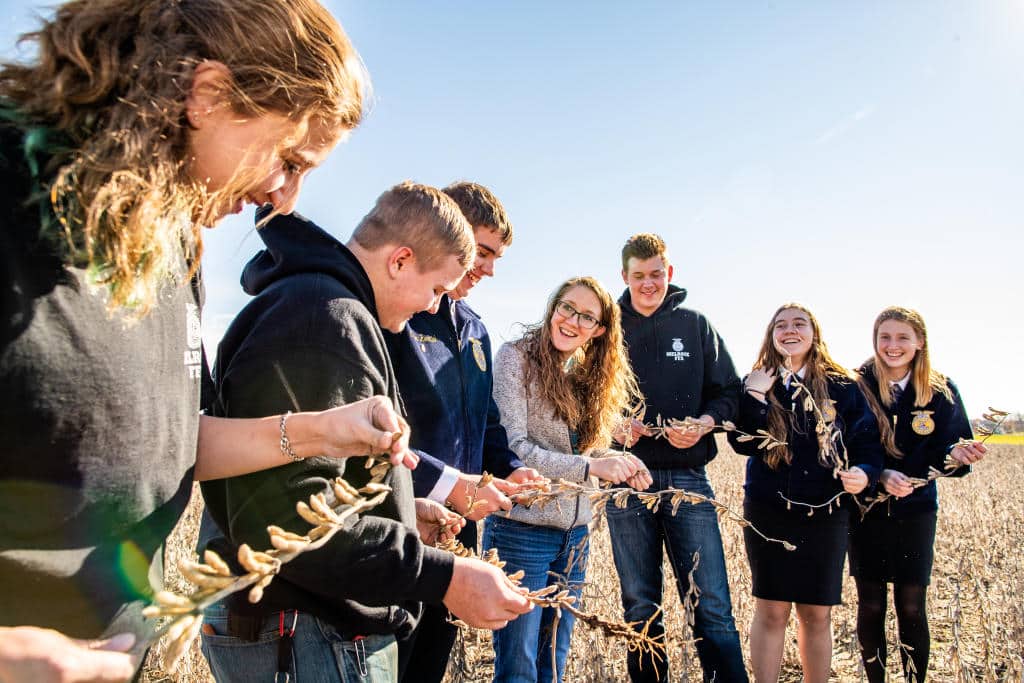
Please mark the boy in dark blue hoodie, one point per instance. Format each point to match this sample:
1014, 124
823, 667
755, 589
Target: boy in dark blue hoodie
443, 363
311, 339
684, 371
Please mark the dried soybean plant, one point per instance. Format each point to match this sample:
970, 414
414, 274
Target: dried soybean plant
831, 448
541, 495
558, 597
619, 496
690, 602
994, 417
214, 579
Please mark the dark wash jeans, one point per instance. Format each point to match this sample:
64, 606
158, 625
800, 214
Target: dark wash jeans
638, 535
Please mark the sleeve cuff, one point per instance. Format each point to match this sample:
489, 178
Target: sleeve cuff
445, 483
435, 575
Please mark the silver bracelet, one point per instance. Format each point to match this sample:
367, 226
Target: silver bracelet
286, 444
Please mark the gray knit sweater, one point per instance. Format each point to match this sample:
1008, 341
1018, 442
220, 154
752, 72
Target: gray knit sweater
541, 440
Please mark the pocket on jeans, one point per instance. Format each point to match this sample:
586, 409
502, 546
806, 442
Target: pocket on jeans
268, 633
233, 659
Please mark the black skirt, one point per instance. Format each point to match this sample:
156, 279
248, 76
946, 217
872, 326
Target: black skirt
894, 549
810, 575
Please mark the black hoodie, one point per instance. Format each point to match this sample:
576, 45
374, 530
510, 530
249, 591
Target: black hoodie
310, 340
684, 370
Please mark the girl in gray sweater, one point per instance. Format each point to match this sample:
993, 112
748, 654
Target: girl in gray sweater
561, 390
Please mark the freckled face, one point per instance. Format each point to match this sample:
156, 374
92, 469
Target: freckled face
268, 156
897, 344
793, 335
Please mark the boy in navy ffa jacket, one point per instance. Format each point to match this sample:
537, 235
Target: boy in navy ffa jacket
443, 363
684, 371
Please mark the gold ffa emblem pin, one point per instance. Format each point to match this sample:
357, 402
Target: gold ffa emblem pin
923, 423
828, 410
478, 354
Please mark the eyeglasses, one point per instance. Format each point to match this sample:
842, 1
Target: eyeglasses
586, 321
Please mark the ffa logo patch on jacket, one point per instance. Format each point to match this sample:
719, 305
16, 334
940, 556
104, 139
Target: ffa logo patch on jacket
677, 352
923, 424
478, 354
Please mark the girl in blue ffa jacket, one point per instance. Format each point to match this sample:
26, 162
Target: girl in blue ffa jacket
560, 390
922, 420
829, 447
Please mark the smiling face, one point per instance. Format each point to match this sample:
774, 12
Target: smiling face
647, 280
793, 335
410, 290
489, 248
247, 158
568, 331
896, 344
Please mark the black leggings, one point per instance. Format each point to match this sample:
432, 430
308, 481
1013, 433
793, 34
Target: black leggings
912, 619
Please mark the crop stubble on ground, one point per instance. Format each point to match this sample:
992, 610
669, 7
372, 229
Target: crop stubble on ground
975, 605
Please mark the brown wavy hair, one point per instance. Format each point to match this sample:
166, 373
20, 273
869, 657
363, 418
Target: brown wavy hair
481, 208
926, 381
599, 385
819, 367
112, 78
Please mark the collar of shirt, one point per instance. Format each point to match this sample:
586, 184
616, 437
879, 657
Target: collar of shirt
902, 384
799, 373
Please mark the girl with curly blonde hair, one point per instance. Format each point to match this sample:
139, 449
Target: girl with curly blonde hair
561, 389
136, 123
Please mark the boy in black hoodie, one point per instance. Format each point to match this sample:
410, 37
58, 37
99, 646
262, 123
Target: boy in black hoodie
310, 339
684, 371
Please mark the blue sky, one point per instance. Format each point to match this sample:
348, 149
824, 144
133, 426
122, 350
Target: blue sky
846, 155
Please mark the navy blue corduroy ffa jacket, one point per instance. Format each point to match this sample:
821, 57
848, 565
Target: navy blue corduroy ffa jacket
920, 451
445, 379
684, 370
804, 479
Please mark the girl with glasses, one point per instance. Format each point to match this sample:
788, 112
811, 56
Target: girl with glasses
561, 389
827, 445
922, 421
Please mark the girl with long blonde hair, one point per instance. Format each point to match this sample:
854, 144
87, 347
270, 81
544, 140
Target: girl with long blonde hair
561, 389
827, 444
134, 124
924, 426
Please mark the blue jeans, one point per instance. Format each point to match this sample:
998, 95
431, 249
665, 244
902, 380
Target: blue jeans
522, 650
319, 653
638, 535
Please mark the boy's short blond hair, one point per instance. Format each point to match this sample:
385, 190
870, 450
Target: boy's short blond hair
422, 218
